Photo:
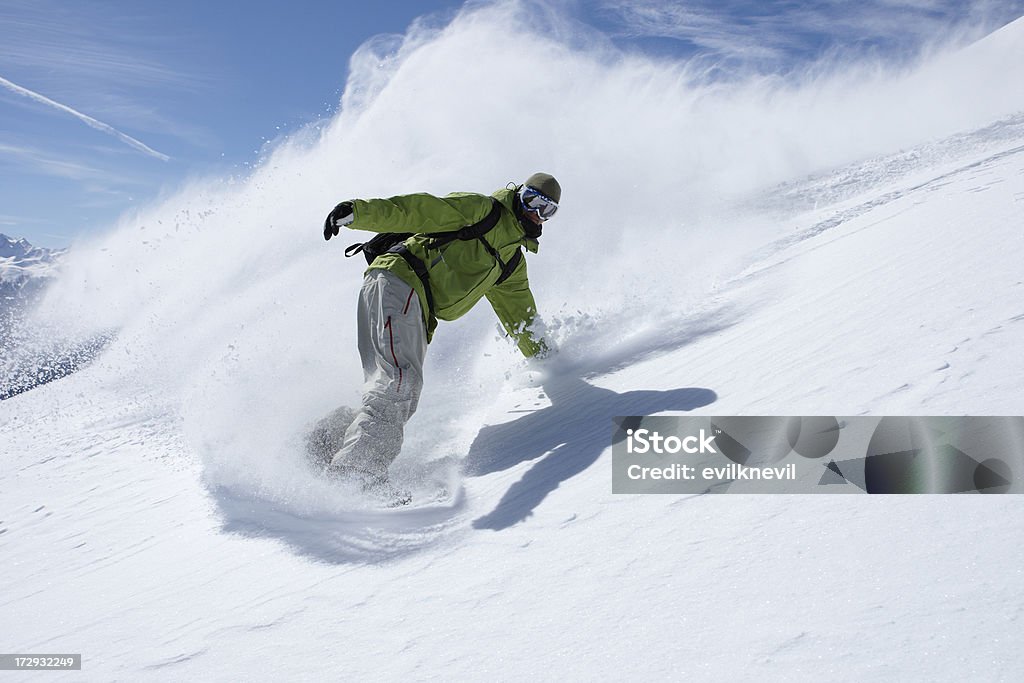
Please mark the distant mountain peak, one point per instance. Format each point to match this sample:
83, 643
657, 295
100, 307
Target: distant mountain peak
18, 248
20, 262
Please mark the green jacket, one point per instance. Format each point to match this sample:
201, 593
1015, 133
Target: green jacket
461, 272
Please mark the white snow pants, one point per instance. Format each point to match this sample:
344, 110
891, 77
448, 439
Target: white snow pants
392, 345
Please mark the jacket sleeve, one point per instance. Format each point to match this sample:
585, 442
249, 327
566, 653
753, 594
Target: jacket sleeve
420, 213
513, 302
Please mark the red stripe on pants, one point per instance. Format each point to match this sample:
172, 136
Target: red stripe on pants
391, 341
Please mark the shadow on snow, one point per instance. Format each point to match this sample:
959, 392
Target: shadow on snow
565, 438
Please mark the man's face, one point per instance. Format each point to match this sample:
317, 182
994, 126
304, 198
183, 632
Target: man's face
535, 205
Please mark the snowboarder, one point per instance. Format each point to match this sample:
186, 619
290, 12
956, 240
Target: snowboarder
434, 274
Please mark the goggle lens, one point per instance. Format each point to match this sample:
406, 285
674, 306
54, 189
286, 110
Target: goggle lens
536, 201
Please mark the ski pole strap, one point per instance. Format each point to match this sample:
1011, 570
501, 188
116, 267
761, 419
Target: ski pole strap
353, 249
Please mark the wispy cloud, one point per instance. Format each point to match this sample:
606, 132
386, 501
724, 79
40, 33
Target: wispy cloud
34, 160
92, 42
84, 118
116, 65
8, 220
778, 30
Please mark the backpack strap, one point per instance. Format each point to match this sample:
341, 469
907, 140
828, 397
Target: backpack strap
439, 239
476, 231
419, 268
510, 267
376, 246
386, 241
470, 232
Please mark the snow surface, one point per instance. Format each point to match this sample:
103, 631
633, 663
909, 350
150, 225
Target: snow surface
845, 243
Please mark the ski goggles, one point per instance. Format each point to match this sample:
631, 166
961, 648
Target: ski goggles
534, 200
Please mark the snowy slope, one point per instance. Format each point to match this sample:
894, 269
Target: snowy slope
29, 353
33, 357
156, 517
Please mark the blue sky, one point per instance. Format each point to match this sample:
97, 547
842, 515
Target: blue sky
203, 82
104, 104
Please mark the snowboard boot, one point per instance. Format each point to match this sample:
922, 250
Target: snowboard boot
327, 437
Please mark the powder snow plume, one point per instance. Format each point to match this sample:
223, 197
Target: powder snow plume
232, 316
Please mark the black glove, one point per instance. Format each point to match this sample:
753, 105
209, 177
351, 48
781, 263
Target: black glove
337, 218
